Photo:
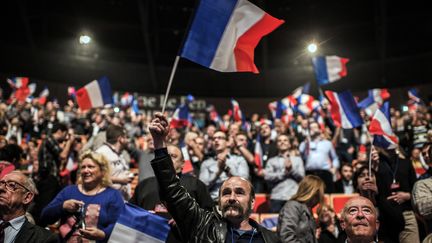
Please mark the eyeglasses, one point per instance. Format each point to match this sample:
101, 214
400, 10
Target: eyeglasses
12, 185
219, 137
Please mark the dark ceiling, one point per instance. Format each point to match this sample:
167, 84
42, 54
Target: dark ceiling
135, 43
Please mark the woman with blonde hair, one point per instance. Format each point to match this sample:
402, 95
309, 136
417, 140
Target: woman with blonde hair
89, 209
296, 222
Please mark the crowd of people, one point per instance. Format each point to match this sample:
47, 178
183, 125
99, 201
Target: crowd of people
71, 171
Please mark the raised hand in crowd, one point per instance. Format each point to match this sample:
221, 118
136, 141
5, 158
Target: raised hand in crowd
159, 130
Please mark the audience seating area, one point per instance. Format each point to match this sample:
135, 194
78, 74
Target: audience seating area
269, 220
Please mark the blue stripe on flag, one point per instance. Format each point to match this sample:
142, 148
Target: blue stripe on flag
144, 221
350, 108
105, 88
320, 67
385, 108
381, 141
208, 26
368, 101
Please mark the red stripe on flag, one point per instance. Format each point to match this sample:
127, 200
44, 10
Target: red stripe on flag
244, 50
187, 168
83, 99
335, 111
344, 71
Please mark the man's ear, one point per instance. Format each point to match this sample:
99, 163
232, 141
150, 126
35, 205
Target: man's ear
28, 198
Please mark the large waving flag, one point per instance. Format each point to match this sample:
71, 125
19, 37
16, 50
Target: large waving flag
224, 34
138, 225
95, 94
329, 68
344, 110
181, 117
380, 127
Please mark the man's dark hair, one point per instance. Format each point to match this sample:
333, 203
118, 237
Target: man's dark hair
113, 132
12, 153
59, 126
345, 164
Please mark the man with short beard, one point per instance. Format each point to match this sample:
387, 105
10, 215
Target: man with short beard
359, 220
236, 200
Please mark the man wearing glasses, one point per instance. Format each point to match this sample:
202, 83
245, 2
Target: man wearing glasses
217, 169
16, 194
359, 220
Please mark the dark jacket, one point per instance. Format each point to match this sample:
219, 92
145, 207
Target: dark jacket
147, 196
30, 233
195, 224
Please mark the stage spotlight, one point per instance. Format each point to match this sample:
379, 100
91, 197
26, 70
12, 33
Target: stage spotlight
312, 48
84, 40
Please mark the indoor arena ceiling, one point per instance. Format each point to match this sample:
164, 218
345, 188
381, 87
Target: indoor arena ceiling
134, 43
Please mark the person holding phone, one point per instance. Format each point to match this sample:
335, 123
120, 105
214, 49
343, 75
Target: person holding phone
89, 209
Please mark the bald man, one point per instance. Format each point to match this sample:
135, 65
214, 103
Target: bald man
359, 219
236, 200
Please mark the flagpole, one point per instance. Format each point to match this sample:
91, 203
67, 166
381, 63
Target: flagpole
177, 59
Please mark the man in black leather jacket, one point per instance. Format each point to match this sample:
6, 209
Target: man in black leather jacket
236, 200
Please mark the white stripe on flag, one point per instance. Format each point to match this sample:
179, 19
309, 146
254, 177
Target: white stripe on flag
334, 67
244, 16
345, 122
94, 93
123, 234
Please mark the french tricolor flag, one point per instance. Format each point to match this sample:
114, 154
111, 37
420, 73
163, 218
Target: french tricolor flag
329, 68
236, 113
258, 153
375, 99
138, 225
224, 34
413, 95
18, 82
344, 110
380, 127
180, 117
95, 94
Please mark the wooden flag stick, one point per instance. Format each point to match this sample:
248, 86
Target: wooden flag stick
170, 82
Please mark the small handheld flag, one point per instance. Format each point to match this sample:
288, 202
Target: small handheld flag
95, 94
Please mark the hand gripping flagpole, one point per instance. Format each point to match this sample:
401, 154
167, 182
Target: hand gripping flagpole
177, 59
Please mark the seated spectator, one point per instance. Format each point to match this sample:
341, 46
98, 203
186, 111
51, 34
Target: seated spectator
359, 220
16, 194
296, 222
92, 195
